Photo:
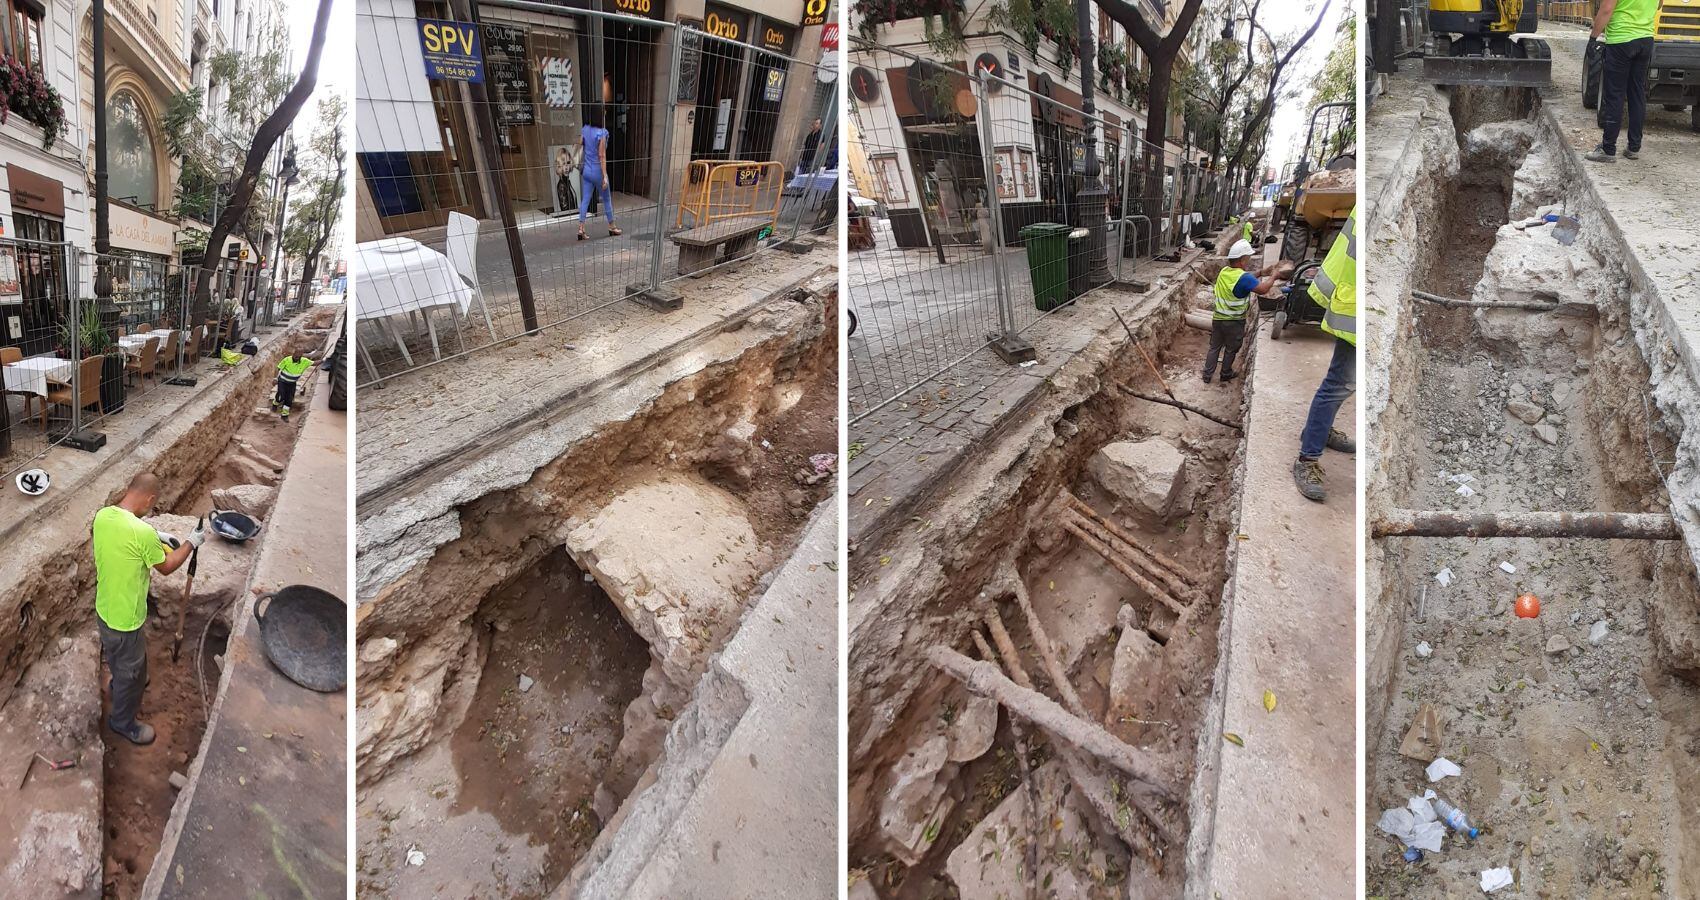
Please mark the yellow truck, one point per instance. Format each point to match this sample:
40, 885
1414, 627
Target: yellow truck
1673, 77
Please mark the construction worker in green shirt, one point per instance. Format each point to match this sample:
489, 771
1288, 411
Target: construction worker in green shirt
289, 371
1624, 29
1336, 291
125, 548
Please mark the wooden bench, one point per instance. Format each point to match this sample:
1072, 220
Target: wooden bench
699, 248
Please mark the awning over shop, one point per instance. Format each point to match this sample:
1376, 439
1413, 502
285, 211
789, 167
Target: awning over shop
393, 106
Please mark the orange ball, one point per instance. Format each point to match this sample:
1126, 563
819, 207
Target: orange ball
1528, 606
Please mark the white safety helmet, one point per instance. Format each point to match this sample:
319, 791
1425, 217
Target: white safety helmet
1239, 250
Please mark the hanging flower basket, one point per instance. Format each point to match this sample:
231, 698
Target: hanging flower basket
24, 91
871, 14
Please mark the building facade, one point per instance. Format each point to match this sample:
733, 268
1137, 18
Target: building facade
44, 191
931, 178
418, 153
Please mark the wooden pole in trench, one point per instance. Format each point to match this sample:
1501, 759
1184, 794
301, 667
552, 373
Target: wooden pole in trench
1578, 525
986, 680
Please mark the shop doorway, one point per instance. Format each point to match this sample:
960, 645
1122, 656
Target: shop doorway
41, 264
630, 116
717, 92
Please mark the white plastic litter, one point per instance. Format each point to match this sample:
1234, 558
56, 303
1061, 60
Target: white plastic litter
1462, 478
415, 856
1598, 632
1416, 824
1444, 576
525, 683
1424, 651
1442, 768
1508, 568
1465, 490
1494, 879
1029, 364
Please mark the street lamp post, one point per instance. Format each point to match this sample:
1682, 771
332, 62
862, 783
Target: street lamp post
1092, 197
289, 175
102, 222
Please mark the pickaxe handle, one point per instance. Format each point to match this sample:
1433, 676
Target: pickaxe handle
1148, 360
188, 591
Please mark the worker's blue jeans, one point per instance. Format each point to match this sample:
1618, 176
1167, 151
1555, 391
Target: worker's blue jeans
127, 658
1338, 385
593, 183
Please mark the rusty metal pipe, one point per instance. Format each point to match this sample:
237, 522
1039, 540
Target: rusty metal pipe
1594, 525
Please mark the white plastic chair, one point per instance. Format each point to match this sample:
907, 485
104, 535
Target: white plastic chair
462, 250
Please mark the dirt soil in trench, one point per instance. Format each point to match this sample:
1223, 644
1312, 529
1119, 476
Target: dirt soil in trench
139, 795
1577, 753
1076, 595
503, 808
587, 664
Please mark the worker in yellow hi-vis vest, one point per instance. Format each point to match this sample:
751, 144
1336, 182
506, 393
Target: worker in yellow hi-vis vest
289, 371
1235, 285
1336, 290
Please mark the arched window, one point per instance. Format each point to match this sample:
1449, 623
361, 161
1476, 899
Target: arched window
133, 175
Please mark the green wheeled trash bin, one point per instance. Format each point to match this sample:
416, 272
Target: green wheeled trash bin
1047, 263
1079, 245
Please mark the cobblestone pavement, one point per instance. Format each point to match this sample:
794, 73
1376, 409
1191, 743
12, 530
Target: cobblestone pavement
898, 451
569, 277
411, 419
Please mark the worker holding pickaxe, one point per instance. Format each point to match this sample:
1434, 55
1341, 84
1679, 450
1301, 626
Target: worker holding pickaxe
125, 548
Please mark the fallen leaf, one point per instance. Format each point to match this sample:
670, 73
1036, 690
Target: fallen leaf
1269, 701
1234, 739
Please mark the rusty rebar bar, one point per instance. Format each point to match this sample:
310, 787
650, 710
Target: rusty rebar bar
1187, 407
1123, 566
1119, 533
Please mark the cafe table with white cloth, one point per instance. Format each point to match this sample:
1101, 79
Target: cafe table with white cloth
32, 375
132, 344
399, 275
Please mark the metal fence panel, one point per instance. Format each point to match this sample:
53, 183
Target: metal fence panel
700, 129
976, 232
74, 363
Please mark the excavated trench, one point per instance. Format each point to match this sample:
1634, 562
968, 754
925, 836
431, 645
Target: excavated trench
1576, 731
517, 687
138, 795
1115, 538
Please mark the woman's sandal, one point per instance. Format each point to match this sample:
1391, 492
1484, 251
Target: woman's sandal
581, 235
614, 230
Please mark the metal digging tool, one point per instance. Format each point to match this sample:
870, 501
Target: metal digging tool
188, 591
1148, 361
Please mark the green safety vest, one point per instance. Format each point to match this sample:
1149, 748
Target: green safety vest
1228, 307
1247, 230
1336, 286
291, 368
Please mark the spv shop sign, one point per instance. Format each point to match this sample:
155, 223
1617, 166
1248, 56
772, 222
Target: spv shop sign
451, 50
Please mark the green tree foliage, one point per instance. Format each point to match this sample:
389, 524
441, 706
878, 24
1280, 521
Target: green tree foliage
324, 174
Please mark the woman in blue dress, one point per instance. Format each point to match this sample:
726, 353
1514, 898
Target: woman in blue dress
595, 139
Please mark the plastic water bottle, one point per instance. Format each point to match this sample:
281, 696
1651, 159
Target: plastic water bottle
1454, 818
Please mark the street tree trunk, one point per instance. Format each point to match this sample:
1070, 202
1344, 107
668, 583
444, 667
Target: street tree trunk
1162, 51
268, 134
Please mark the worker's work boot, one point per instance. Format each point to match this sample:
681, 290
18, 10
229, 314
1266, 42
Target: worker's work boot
1307, 474
1229, 375
1207, 377
1599, 154
1341, 441
1631, 154
141, 733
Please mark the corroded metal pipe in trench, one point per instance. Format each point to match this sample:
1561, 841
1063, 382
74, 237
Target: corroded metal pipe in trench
1603, 525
